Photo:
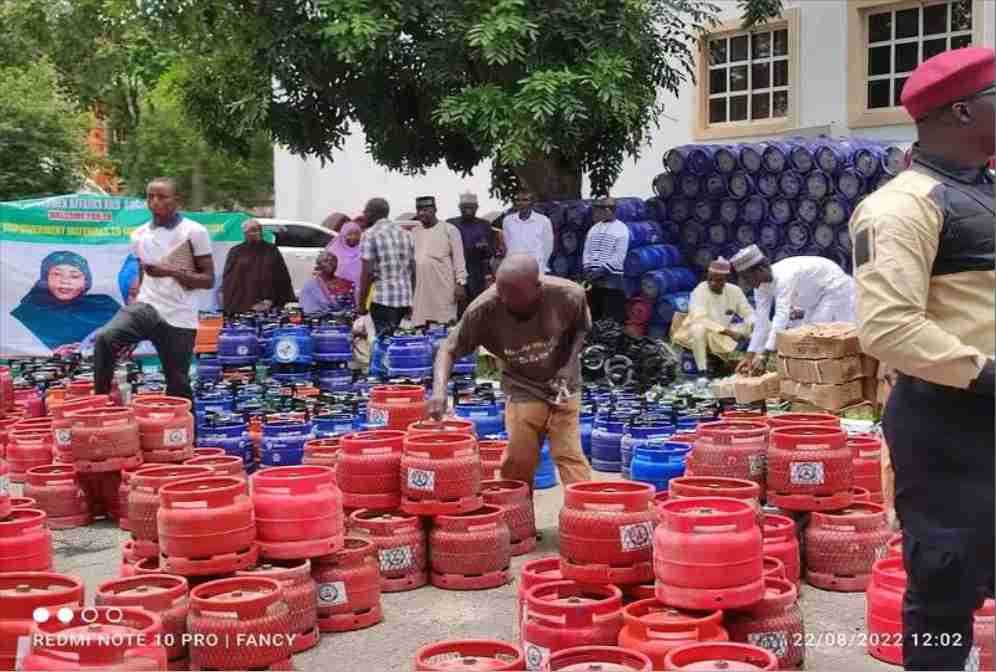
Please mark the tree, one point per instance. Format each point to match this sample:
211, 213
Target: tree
548, 91
42, 134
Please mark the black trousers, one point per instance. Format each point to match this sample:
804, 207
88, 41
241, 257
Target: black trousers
141, 322
607, 303
387, 318
941, 442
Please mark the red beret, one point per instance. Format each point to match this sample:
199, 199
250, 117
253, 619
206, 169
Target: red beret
947, 78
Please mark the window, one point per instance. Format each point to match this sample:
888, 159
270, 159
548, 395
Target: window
888, 40
746, 79
294, 235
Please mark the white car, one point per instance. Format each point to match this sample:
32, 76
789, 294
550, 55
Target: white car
300, 243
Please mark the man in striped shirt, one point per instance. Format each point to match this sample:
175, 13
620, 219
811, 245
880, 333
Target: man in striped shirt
605, 251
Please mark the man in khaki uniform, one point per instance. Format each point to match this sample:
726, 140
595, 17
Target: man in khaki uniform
924, 267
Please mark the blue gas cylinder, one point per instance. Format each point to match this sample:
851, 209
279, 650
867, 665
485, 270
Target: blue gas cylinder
606, 437
332, 343
409, 356
208, 368
587, 424
228, 432
283, 442
237, 345
658, 462
487, 416
466, 366
212, 401
337, 379
294, 377
640, 435
292, 345
546, 473
334, 422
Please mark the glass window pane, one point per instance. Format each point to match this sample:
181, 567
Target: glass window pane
907, 57
780, 104
738, 108
898, 89
762, 45
880, 27
961, 15
908, 23
738, 78
781, 73
961, 41
879, 61
717, 51
738, 48
717, 110
760, 76
934, 47
717, 80
935, 19
760, 106
878, 94
781, 43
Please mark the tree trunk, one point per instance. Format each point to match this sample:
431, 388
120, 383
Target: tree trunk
196, 183
551, 178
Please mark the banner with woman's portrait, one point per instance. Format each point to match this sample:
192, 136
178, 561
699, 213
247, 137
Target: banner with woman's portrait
67, 268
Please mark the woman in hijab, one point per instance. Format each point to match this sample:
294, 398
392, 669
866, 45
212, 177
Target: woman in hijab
346, 249
58, 309
326, 292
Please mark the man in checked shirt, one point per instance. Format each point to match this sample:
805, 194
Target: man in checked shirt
388, 255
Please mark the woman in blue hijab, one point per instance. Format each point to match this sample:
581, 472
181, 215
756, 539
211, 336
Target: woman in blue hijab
58, 310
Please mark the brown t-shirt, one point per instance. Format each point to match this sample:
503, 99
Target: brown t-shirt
534, 349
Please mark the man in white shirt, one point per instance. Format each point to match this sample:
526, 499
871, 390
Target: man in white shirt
804, 290
175, 260
528, 232
711, 307
604, 256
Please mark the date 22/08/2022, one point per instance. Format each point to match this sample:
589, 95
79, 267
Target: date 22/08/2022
863, 639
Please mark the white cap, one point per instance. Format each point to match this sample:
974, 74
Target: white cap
746, 258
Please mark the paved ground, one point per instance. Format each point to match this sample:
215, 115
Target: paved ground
428, 615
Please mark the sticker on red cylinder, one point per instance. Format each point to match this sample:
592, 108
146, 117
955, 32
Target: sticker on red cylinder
806, 473
536, 655
776, 642
332, 594
421, 479
394, 559
63, 437
4, 486
175, 437
636, 536
377, 416
755, 464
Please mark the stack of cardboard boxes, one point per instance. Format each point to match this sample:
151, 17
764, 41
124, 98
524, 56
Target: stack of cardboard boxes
822, 365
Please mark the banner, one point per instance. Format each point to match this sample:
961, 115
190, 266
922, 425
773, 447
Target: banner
67, 267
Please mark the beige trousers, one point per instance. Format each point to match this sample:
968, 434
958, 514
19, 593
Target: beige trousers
527, 424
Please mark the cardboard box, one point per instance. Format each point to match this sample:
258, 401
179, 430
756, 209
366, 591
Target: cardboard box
748, 390
828, 371
782, 366
819, 341
723, 388
827, 397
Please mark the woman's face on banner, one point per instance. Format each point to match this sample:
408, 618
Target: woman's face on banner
66, 282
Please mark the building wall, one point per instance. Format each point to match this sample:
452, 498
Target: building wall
306, 190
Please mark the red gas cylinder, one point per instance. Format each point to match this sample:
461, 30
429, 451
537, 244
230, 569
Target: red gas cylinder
790, 419
205, 526
209, 452
29, 401
470, 551
842, 546
654, 629
27, 448
105, 439
457, 425
809, 468
884, 600
396, 406
5, 505
780, 541
300, 594
6, 389
707, 554
161, 594
245, 624
143, 502
62, 423
401, 547
565, 614
866, 451
725, 656
774, 623
322, 452
79, 388
440, 474
100, 639
711, 486
737, 416
894, 547
469, 655
221, 465
57, 492
123, 487
516, 501
6, 424
983, 634
774, 568
23, 592
860, 494
128, 559
598, 659
298, 512
730, 450
22, 503
639, 591
25, 542
606, 532
534, 573
369, 469
492, 452
348, 585
166, 428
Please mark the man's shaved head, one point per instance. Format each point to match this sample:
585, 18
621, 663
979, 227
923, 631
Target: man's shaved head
518, 285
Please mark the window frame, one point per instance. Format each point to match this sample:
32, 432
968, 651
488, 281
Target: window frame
858, 113
279, 230
790, 20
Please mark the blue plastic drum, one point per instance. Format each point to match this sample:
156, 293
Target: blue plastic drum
657, 463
